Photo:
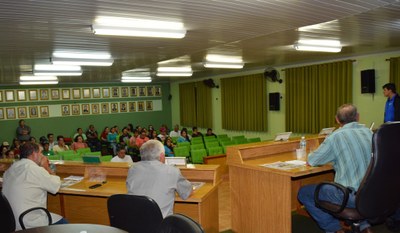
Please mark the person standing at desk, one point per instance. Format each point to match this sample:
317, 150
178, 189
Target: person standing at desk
392, 107
26, 184
349, 149
152, 178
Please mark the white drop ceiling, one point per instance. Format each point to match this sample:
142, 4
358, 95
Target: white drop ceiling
262, 31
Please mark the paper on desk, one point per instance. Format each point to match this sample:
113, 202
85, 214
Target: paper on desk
287, 165
74, 178
197, 185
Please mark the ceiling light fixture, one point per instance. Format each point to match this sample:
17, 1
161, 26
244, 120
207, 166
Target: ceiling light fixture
57, 70
223, 61
136, 79
82, 62
223, 65
331, 46
183, 71
38, 80
105, 25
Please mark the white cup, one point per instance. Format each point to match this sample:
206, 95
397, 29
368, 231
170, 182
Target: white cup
301, 154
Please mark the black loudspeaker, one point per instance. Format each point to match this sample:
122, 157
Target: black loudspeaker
274, 101
368, 81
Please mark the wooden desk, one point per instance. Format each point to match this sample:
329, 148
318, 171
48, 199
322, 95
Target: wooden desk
262, 199
79, 204
69, 228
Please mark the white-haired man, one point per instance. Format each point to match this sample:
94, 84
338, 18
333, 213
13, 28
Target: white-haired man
151, 177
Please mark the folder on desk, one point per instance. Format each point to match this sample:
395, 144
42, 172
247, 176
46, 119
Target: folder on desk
91, 159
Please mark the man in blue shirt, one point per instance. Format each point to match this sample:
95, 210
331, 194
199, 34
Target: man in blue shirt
392, 107
349, 150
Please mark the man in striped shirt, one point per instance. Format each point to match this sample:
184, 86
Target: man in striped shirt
349, 150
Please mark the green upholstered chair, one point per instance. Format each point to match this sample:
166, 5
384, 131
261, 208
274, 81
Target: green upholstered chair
198, 155
254, 140
182, 151
83, 151
106, 158
215, 150
196, 146
212, 144
196, 140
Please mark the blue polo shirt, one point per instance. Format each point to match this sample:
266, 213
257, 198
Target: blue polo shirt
389, 109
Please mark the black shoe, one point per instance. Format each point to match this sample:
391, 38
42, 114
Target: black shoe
393, 225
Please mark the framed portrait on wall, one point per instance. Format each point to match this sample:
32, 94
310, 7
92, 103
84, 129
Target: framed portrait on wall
44, 94
22, 112
96, 92
106, 92
133, 91
10, 97
123, 107
1, 113
33, 111
1, 96
124, 92
149, 105
10, 113
85, 109
33, 95
104, 108
114, 107
150, 91
157, 91
76, 93
44, 111
65, 110
86, 93
115, 91
75, 109
66, 94
55, 94
142, 91
132, 106
95, 109
140, 106
21, 94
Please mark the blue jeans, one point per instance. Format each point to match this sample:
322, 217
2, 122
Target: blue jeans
61, 221
326, 221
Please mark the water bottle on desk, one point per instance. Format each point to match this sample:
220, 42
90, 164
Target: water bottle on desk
303, 143
301, 152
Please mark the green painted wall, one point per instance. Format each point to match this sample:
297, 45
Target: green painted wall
370, 106
67, 125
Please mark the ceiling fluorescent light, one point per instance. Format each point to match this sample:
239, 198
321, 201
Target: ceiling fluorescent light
136, 79
138, 27
78, 55
57, 70
223, 59
38, 82
184, 71
172, 74
82, 62
332, 46
224, 65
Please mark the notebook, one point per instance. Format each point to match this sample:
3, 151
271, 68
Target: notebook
282, 136
326, 131
91, 159
175, 161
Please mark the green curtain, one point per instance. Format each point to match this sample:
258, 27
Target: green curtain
394, 75
313, 94
187, 100
244, 103
203, 106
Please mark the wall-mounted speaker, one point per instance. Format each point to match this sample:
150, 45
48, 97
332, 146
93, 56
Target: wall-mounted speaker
274, 101
368, 81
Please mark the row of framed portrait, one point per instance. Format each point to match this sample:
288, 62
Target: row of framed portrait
78, 93
76, 109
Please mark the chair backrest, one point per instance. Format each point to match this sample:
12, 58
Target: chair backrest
196, 146
197, 155
181, 151
7, 220
133, 213
212, 144
379, 192
82, 151
106, 158
179, 223
215, 150
197, 140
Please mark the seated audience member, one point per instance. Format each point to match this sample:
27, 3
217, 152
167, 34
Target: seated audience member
32, 139
78, 143
196, 132
153, 135
141, 139
4, 148
152, 178
176, 132
10, 155
104, 134
349, 150
124, 138
184, 136
93, 139
112, 140
163, 133
151, 132
122, 157
60, 145
79, 131
15, 146
26, 184
210, 133
46, 149
169, 147
52, 143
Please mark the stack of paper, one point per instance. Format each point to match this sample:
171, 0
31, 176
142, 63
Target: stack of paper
287, 165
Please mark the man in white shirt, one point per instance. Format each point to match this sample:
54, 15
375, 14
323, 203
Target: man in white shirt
176, 132
151, 177
26, 184
122, 157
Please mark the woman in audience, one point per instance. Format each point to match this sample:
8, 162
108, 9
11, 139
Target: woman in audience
104, 134
11, 155
78, 143
32, 139
79, 131
61, 145
15, 146
184, 136
124, 138
112, 140
169, 147
210, 133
